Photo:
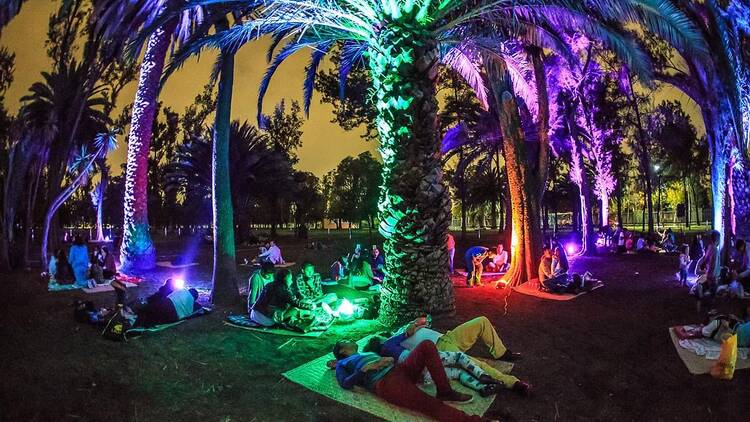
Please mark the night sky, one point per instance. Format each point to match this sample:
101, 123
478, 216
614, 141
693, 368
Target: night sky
324, 143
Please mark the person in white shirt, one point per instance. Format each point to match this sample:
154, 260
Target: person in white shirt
272, 254
500, 262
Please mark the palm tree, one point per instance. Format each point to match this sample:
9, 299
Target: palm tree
119, 21
715, 82
97, 194
80, 168
405, 41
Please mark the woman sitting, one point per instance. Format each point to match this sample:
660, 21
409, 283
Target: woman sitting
277, 302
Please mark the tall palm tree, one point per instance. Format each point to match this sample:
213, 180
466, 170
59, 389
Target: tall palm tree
404, 41
715, 82
120, 21
80, 169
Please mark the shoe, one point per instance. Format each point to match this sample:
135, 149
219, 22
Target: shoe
509, 356
489, 390
486, 379
522, 388
456, 397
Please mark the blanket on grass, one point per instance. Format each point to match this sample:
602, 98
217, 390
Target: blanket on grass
531, 288
484, 274
137, 331
315, 376
243, 321
699, 355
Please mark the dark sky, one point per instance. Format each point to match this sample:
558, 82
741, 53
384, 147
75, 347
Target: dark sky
324, 143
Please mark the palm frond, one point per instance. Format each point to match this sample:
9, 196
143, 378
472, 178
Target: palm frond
316, 57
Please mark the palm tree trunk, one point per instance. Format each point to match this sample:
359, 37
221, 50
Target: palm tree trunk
225, 289
523, 183
59, 200
30, 207
100, 205
137, 252
414, 202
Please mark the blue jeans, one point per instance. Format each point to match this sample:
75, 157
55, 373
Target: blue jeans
683, 276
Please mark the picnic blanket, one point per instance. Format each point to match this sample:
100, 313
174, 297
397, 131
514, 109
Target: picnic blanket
106, 287
699, 355
244, 322
315, 376
284, 265
54, 287
156, 328
531, 288
168, 264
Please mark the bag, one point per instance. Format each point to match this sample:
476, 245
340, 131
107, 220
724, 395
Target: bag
117, 327
724, 367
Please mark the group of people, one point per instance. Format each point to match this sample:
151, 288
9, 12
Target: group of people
393, 366
81, 267
713, 279
280, 298
554, 276
623, 240
359, 270
479, 259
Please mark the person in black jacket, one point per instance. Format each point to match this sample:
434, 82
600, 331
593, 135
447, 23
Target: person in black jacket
277, 301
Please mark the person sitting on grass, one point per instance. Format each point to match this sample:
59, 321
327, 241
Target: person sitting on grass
396, 383
108, 263
307, 287
96, 273
60, 271
272, 254
500, 262
340, 268
560, 263
545, 266
258, 280
277, 302
458, 365
377, 264
360, 275
474, 259
78, 256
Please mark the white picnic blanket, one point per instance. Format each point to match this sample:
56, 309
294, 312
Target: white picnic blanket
710, 349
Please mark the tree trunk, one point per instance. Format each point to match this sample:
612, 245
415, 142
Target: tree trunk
59, 200
644, 155
686, 200
523, 183
741, 194
414, 203
225, 288
619, 206
100, 204
30, 207
137, 252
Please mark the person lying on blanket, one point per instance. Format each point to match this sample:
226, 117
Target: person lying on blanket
396, 383
169, 304
458, 365
461, 339
277, 302
307, 287
569, 283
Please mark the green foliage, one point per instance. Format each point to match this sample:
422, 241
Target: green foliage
284, 129
351, 190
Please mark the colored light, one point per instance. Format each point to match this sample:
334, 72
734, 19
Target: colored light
178, 283
571, 248
346, 309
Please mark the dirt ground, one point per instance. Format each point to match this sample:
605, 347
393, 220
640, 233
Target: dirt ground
605, 356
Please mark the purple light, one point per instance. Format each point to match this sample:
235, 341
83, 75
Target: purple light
571, 248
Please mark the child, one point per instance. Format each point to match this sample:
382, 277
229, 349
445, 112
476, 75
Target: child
684, 262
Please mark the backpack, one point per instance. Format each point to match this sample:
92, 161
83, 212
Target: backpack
117, 327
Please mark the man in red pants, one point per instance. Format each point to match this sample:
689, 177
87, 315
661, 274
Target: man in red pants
396, 383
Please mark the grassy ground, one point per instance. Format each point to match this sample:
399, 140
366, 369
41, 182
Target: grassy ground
606, 356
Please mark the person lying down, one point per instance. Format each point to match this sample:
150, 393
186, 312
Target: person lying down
396, 382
